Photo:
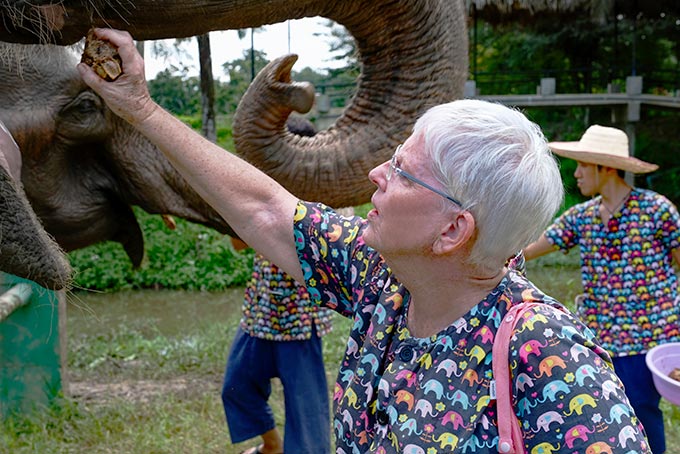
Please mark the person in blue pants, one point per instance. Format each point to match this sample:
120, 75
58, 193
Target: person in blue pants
628, 239
279, 336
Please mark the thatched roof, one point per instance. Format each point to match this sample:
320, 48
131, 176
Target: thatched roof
504, 11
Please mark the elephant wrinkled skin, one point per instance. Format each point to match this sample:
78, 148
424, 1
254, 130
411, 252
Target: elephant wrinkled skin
23, 237
85, 167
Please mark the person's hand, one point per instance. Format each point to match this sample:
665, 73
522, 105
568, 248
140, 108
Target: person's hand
127, 96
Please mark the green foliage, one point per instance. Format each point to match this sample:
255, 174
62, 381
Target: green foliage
584, 57
173, 424
362, 210
342, 46
240, 71
225, 138
176, 93
180, 94
192, 257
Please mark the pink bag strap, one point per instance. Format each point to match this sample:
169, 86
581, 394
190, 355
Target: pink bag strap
510, 439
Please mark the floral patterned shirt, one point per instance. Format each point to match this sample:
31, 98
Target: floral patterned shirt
399, 393
631, 298
277, 308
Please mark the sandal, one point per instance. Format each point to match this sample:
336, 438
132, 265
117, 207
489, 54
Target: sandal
252, 450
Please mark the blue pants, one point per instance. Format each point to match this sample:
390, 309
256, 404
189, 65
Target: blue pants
299, 365
643, 397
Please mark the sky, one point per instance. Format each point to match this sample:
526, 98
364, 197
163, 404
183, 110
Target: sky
274, 40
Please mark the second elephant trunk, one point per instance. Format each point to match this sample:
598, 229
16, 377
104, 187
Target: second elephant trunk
414, 56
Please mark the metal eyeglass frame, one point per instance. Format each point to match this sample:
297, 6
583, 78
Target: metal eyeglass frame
394, 168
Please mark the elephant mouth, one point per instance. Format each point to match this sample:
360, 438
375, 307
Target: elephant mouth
83, 227
130, 235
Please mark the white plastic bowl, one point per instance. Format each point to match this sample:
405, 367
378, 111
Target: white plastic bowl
661, 360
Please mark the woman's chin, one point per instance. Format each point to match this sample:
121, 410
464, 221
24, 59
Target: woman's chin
368, 236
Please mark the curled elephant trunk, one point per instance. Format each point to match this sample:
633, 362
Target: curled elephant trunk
415, 58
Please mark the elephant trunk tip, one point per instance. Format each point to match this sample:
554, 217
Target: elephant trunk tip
58, 278
298, 96
301, 98
281, 68
52, 271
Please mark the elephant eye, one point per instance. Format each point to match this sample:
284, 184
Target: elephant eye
83, 118
85, 103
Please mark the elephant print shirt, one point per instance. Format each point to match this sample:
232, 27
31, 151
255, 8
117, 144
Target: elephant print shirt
277, 308
398, 393
630, 287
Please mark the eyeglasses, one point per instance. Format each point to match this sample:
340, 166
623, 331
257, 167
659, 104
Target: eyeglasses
394, 168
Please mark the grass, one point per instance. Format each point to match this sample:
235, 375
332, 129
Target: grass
139, 390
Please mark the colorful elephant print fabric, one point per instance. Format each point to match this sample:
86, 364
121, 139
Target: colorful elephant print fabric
277, 308
630, 289
398, 393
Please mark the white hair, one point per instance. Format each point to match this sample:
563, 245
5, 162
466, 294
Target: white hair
498, 164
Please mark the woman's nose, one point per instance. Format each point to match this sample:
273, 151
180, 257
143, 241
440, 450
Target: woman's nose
378, 173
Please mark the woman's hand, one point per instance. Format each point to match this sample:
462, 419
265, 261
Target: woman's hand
127, 96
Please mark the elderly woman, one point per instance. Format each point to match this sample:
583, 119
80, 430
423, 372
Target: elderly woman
424, 278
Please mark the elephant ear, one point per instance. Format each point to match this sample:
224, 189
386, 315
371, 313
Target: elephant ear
23, 239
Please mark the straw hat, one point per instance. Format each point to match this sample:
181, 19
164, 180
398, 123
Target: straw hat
604, 146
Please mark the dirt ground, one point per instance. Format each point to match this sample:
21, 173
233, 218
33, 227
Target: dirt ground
141, 390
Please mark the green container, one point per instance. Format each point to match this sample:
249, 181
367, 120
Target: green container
30, 350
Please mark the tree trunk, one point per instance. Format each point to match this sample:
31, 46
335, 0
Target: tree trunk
140, 47
207, 88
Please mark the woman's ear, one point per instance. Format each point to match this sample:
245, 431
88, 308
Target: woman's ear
456, 234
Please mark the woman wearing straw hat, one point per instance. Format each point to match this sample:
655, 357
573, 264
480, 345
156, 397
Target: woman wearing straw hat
628, 238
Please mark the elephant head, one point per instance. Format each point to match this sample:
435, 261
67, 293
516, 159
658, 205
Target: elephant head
85, 166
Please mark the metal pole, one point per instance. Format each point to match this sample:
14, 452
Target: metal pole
633, 69
252, 54
474, 42
13, 299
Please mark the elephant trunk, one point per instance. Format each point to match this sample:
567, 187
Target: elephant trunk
27, 250
399, 81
